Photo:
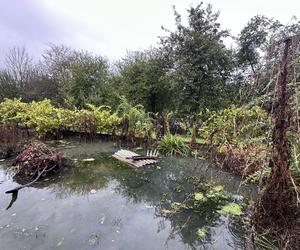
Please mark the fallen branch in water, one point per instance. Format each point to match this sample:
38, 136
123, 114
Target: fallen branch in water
30, 183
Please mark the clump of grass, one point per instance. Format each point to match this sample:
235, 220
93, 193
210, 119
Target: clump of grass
173, 145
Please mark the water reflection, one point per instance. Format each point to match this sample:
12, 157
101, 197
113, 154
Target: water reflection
158, 187
14, 197
120, 207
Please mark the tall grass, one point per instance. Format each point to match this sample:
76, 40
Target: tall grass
173, 145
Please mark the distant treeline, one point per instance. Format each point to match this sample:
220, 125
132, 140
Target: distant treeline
190, 70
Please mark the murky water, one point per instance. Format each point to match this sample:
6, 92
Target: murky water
106, 205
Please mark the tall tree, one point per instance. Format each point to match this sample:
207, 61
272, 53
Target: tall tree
258, 50
143, 79
8, 87
199, 62
253, 39
81, 76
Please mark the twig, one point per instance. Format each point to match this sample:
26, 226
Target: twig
30, 183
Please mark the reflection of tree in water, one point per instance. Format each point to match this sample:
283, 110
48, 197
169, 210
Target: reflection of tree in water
159, 187
186, 222
169, 184
83, 178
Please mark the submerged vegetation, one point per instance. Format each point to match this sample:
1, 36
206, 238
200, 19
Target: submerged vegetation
198, 197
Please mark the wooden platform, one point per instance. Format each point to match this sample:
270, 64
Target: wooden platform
125, 156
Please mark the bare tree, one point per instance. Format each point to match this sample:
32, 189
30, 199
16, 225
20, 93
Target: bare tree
19, 65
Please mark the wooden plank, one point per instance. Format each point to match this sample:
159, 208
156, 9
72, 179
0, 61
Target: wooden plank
125, 155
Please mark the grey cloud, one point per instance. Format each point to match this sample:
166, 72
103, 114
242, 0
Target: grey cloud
28, 23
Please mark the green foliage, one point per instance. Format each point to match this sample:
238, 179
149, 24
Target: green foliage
199, 196
11, 111
106, 121
8, 87
263, 243
81, 76
235, 126
65, 119
42, 117
251, 39
258, 54
172, 145
294, 167
210, 194
139, 121
199, 63
84, 122
143, 80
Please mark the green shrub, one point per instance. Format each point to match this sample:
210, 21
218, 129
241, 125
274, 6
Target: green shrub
66, 119
84, 121
46, 119
11, 111
172, 145
139, 121
235, 126
42, 117
107, 122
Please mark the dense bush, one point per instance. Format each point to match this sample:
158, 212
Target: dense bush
44, 118
11, 111
107, 122
139, 121
235, 126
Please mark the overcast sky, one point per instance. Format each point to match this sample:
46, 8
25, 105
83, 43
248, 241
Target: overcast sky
110, 27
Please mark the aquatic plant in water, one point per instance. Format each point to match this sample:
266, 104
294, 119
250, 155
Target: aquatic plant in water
232, 209
201, 233
202, 201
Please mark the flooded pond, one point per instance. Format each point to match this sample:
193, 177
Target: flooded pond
104, 204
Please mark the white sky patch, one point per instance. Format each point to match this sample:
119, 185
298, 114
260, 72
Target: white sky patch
110, 28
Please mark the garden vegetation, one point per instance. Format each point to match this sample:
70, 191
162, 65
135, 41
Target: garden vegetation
190, 93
